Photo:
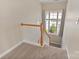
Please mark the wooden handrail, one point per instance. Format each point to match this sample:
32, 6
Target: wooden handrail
41, 30
30, 25
42, 34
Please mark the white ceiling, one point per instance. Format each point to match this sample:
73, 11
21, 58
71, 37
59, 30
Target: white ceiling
52, 1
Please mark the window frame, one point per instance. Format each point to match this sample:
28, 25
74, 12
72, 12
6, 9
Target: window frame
56, 20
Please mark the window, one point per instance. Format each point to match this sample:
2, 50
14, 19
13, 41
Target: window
53, 21
53, 15
59, 15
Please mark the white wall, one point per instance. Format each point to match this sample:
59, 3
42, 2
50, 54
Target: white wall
53, 6
10, 15
32, 14
71, 29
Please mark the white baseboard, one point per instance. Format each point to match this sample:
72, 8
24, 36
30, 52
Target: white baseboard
68, 53
65, 48
12, 48
29, 42
9, 50
36, 44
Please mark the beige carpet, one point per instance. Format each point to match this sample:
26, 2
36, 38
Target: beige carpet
28, 51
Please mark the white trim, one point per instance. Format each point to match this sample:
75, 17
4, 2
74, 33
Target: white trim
68, 53
65, 48
12, 48
36, 44
9, 50
29, 42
